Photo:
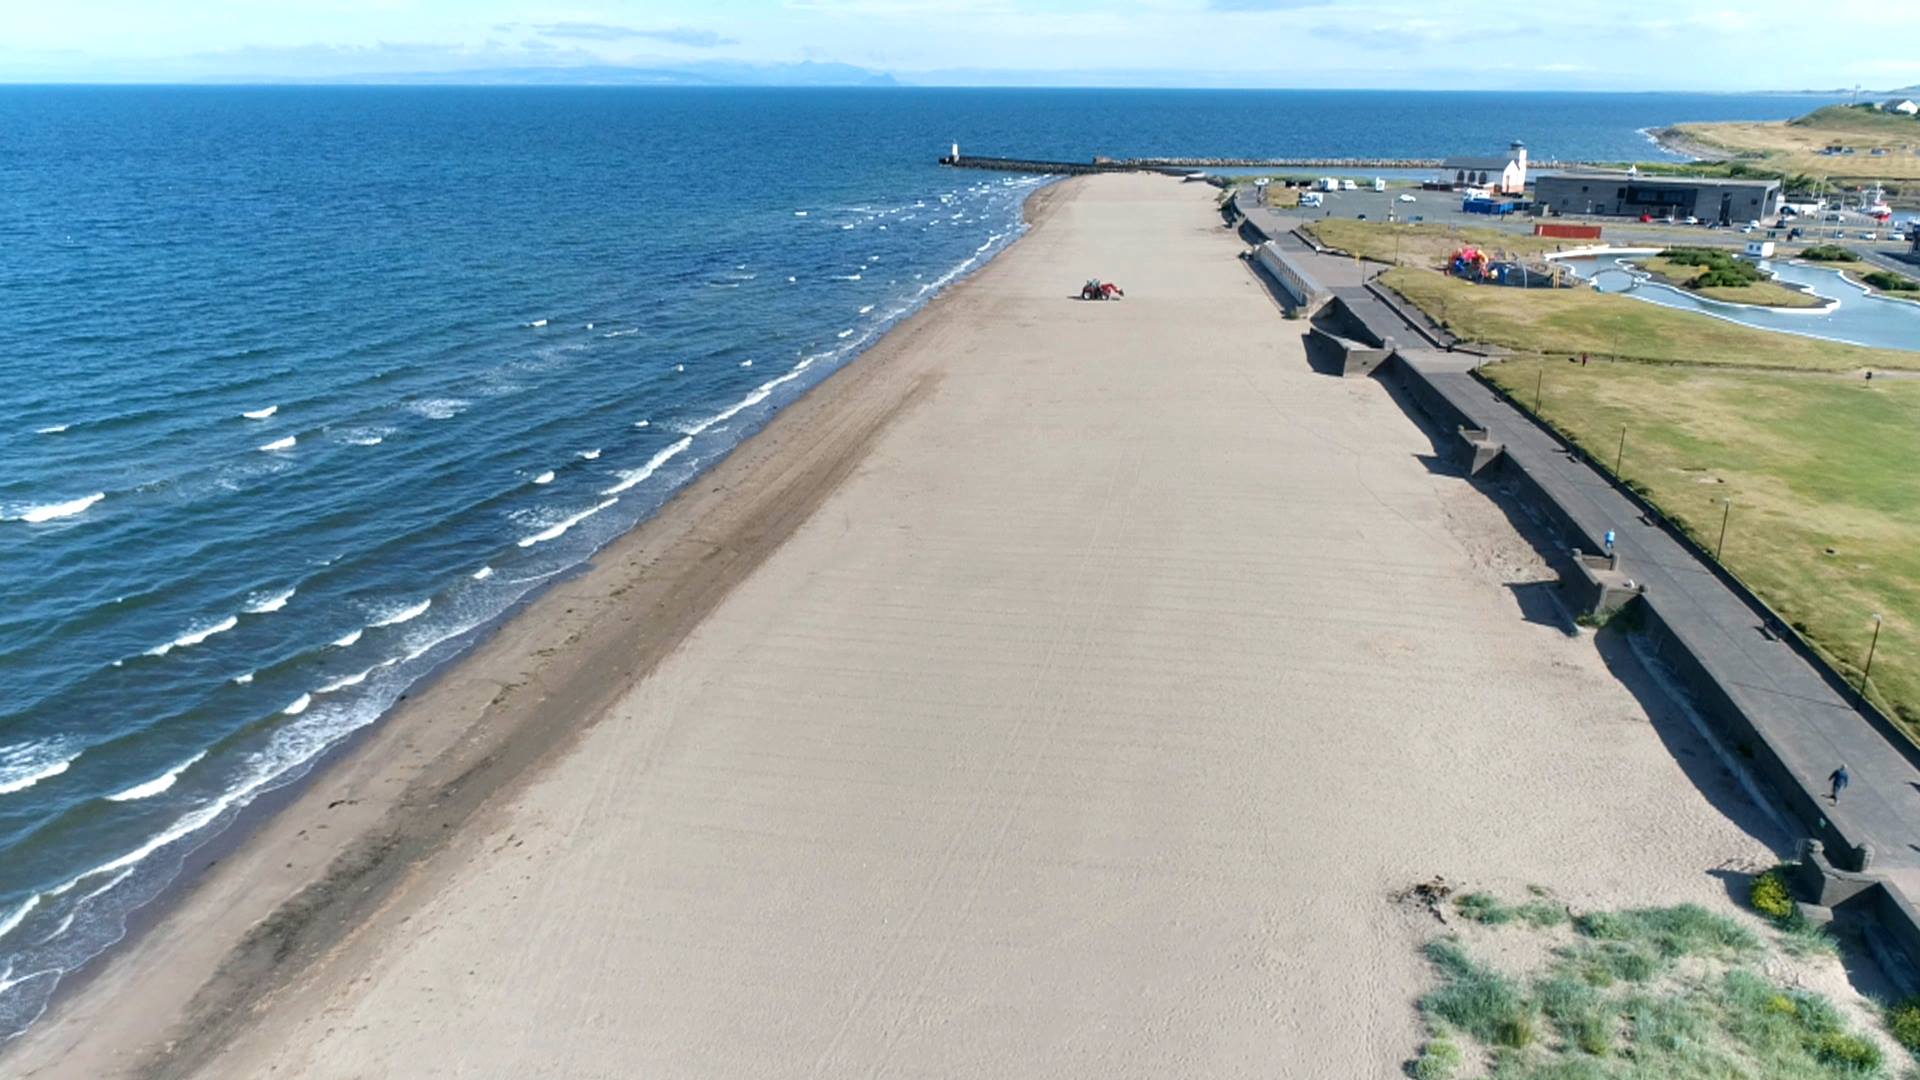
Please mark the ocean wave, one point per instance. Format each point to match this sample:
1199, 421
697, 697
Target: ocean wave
536, 324
351, 637
544, 478
483, 573
260, 414
589, 455
639, 424
799, 213
438, 408
156, 785
846, 277
196, 635
843, 228
27, 764
555, 531
18, 916
396, 616
723, 284
298, 705
261, 603
242, 679
365, 436
629, 479
279, 444
619, 333
33, 514
867, 309
53, 429
345, 681
844, 334
679, 367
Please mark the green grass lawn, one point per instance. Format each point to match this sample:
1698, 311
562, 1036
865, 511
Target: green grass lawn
1765, 293
1425, 244
1570, 321
1820, 470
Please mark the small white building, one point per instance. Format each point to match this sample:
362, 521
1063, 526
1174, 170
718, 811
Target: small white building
1904, 107
1759, 249
1503, 175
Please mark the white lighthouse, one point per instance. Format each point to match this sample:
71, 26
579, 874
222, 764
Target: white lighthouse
1513, 178
953, 154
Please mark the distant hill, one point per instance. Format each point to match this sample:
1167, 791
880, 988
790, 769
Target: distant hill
1865, 119
712, 73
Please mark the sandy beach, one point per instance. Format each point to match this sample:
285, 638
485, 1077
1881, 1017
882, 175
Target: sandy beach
1061, 689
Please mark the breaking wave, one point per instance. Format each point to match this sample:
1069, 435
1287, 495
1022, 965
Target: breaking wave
156, 785
27, 764
261, 603
629, 479
196, 635
555, 531
399, 615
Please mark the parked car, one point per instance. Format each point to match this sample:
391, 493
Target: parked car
1405, 197
1691, 220
1869, 235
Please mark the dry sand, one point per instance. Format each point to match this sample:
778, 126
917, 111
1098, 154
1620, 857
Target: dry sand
1061, 690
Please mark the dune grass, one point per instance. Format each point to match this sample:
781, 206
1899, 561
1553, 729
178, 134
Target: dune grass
1572, 321
1824, 518
1677, 993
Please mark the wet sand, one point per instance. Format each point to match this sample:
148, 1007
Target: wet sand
1060, 689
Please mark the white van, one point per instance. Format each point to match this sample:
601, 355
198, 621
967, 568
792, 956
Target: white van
1311, 198
1379, 184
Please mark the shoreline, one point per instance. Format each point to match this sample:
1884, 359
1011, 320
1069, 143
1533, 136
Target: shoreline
296, 873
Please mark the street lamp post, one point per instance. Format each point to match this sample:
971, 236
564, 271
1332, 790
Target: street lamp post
1540, 376
1867, 668
1622, 452
1724, 514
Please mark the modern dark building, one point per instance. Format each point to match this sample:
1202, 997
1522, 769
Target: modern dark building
1630, 195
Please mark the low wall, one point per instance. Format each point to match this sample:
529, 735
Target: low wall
1356, 357
1307, 294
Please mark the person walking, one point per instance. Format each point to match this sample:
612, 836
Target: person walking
1839, 780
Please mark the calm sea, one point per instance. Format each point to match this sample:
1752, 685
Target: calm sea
301, 388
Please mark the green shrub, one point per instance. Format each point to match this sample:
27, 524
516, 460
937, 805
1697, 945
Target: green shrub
1768, 895
1888, 281
1903, 1021
1829, 253
1437, 1061
1847, 1051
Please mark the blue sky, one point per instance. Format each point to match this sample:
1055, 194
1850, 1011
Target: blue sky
1459, 44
